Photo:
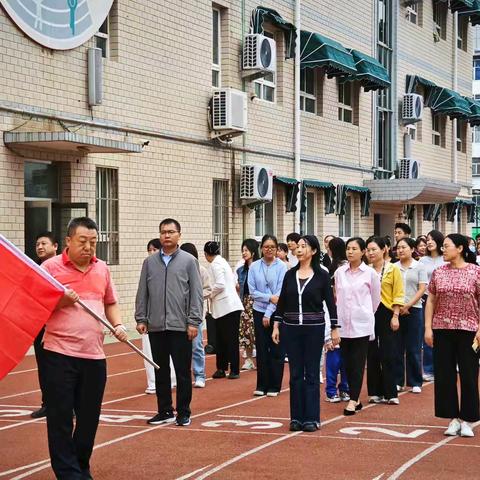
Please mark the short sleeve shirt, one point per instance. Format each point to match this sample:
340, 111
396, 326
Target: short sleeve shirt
413, 276
457, 292
71, 330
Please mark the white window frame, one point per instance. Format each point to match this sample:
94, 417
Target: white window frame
261, 84
311, 96
476, 134
220, 215
104, 36
476, 61
217, 67
436, 134
437, 11
312, 195
412, 131
260, 210
345, 222
459, 139
475, 167
462, 34
412, 13
345, 107
476, 36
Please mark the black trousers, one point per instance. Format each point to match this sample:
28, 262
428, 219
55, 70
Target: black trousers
270, 357
382, 353
227, 342
72, 384
179, 347
354, 352
452, 348
38, 347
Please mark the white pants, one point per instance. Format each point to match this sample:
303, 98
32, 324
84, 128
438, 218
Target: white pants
150, 371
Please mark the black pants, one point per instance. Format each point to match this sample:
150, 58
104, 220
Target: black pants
179, 347
354, 352
381, 357
227, 342
270, 357
452, 348
72, 384
38, 347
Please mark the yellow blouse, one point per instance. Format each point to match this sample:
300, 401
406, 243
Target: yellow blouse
393, 290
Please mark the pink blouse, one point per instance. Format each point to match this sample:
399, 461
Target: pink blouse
457, 292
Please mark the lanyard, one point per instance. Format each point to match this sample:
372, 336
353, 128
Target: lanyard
300, 293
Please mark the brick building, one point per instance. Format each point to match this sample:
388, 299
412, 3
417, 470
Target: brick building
146, 151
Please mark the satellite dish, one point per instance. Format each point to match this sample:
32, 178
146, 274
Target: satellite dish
262, 183
266, 53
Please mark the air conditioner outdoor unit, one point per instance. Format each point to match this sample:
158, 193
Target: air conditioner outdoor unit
228, 112
408, 168
259, 54
412, 108
256, 184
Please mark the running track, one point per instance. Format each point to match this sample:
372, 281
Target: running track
234, 435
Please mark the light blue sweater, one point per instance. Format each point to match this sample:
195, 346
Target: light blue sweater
263, 282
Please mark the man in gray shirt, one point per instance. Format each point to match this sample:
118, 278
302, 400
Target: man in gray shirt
169, 306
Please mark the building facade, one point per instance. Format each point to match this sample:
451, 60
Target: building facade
146, 151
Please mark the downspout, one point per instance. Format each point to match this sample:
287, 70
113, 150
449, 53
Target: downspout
244, 136
455, 82
297, 146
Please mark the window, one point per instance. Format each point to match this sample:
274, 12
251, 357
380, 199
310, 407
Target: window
309, 225
265, 87
438, 125
476, 167
440, 19
462, 33
107, 215
412, 131
345, 110
412, 13
101, 37
264, 220
476, 134
308, 98
345, 221
476, 68
216, 17
220, 215
461, 136
476, 33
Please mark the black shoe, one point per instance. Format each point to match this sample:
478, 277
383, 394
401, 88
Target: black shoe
159, 418
183, 421
310, 427
295, 426
349, 413
219, 374
233, 376
40, 413
358, 407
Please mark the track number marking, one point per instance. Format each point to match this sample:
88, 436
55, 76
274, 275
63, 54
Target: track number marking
385, 431
257, 425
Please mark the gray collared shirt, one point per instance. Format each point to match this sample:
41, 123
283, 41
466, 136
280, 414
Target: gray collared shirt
413, 276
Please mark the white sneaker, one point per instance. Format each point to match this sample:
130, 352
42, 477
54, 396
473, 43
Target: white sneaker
428, 377
376, 399
199, 383
248, 365
454, 428
334, 399
466, 429
416, 390
273, 394
393, 401
258, 393
150, 391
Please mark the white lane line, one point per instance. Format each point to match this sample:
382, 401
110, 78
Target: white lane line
190, 475
46, 463
19, 394
22, 371
18, 469
20, 424
126, 373
402, 469
379, 477
397, 425
249, 416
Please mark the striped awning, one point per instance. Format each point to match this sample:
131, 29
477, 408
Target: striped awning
370, 72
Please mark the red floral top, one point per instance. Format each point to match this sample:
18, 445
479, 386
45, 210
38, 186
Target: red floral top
457, 292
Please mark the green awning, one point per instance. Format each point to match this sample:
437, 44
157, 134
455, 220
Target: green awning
463, 202
317, 184
365, 196
285, 180
445, 101
471, 8
413, 81
354, 188
370, 72
261, 14
474, 118
317, 51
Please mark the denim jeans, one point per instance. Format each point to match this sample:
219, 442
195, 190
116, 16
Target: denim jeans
304, 345
198, 356
409, 349
334, 364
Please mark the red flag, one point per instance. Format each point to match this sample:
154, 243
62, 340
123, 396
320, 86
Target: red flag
28, 296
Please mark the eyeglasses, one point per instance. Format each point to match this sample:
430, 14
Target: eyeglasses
168, 232
269, 247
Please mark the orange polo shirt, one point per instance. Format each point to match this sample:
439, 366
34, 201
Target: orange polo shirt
71, 330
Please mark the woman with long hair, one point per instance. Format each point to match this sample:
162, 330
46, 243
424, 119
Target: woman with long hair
246, 333
432, 260
226, 309
452, 327
381, 351
410, 335
338, 254
357, 291
300, 311
265, 279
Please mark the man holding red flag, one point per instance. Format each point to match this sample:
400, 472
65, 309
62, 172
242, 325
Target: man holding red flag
74, 360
